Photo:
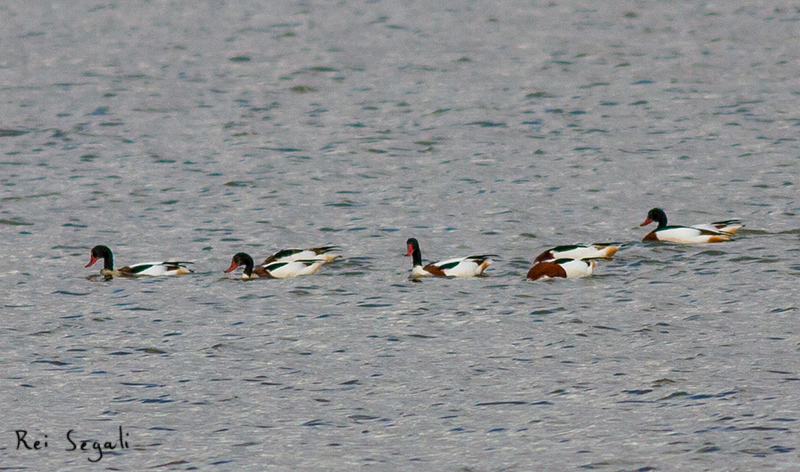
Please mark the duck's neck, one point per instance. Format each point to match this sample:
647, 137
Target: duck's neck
108, 262
248, 269
416, 255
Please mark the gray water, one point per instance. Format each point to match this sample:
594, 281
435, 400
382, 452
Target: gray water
198, 130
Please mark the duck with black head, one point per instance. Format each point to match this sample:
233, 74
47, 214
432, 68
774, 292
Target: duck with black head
469, 266
716, 232
273, 270
142, 268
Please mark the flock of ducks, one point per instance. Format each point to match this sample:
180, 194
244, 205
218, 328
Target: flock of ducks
560, 261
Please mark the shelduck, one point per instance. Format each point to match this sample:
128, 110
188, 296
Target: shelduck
312, 253
578, 251
273, 270
565, 268
143, 268
706, 233
469, 266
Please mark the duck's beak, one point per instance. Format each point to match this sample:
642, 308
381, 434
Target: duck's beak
91, 262
233, 266
646, 222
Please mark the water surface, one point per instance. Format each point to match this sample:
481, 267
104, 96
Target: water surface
169, 131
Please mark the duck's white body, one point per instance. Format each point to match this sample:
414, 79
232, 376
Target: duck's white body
150, 268
295, 254
691, 234
286, 269
578, 251
563, 268
469, 266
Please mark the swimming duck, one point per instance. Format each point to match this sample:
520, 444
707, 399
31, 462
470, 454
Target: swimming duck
706, 233
312, 253
469, 266
273, 270
565, 268
578, 251
144, 268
